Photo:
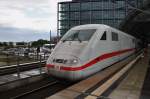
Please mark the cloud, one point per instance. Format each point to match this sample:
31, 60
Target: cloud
33, 15
16, 34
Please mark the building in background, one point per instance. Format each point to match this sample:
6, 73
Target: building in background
78, 12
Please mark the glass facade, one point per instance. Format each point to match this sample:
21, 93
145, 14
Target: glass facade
78, 12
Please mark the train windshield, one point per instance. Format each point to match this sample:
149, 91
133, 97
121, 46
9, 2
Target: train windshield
79, 35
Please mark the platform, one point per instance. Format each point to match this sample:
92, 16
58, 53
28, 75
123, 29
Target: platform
145, 93
13, 77
130, 86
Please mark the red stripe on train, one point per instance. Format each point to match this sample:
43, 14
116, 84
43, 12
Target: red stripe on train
94, 61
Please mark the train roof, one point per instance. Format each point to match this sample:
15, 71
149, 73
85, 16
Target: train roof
99, 26
90, 26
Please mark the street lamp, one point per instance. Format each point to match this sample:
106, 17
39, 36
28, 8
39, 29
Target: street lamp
50, 37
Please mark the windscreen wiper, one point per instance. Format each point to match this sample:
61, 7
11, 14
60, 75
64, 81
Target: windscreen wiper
79, 39
63, 41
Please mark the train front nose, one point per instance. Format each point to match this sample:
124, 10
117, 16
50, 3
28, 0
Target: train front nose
64, 67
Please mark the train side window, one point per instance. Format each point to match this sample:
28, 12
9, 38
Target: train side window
114, 36
104, 36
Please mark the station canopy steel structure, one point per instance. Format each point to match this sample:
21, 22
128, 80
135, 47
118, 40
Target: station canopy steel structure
131, 16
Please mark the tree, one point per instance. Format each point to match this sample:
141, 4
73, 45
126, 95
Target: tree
11, 44
5, 44
39, 43
1, 44
20, 43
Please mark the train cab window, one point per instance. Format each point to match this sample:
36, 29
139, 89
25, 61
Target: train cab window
114, 36
104, 36
79, 35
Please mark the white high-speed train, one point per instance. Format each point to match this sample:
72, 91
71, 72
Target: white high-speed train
87, 49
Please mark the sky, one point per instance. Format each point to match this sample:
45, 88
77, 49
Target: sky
27, 20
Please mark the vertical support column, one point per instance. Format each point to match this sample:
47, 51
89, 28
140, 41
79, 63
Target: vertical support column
40, 65
90, 12
7, 59
126, 8
44, 57
50, 38
18, 64
102, 12
37, 52
58, 22
69, 16
80, 13
137, 3
114, 17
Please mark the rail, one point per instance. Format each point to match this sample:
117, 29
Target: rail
21, 67
35, 90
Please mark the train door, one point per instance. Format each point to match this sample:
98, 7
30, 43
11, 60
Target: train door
115, 45
99, 44
123, 44
99, 47
104, 47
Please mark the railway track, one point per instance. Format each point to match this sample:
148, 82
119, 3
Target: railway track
37, 90
22, 67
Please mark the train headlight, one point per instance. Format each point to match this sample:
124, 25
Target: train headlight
74, 61
71, 61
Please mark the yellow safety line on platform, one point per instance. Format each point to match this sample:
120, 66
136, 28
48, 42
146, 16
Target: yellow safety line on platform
99, 91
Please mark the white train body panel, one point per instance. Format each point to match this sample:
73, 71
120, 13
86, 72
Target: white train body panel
74, 58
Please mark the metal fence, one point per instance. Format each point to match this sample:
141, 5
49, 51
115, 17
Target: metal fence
17, 63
